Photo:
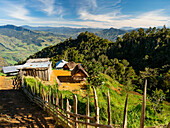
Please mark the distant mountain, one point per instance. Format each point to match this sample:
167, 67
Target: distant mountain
127, 28
14, 28
110, 34
66, 31
17, 43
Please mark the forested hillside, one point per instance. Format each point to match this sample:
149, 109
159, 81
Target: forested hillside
17, 43
135, 56
110, 34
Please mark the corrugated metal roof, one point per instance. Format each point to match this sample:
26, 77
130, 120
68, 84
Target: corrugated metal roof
37, 60
37, 65
61, 63
11, 69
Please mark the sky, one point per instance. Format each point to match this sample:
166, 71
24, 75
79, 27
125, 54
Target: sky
86, 13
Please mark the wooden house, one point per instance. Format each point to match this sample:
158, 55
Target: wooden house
79, 74
41, 68
69, 66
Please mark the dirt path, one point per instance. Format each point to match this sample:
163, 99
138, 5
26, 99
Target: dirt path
17, 112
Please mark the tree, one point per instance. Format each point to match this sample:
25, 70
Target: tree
156, 99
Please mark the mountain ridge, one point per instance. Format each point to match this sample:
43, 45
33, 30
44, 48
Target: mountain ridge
16, 40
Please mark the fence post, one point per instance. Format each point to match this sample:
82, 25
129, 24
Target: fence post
52, 97
109, 109
87, 111
43, 96
62, 102
57, 100
46, 100
22, 80
39, 90
96, 106
125, 114
33, 92
75, 109
68, 109
53, 102
57, 104
36, 88
142, 119
42, 93
46, 96
49, 96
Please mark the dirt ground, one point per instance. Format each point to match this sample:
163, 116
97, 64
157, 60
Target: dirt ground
74, 87
5, 83
16, 111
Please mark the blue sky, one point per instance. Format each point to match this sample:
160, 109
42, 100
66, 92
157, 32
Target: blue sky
86, 13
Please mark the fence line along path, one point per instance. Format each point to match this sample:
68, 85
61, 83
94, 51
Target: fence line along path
17, 111
49, 101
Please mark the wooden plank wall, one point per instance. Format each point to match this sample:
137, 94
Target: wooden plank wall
42, 73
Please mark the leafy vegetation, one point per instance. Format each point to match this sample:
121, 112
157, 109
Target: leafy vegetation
148, 52
14, 40
137, 55
129, 60
117, 103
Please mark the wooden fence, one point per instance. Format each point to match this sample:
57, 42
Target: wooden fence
50, 103
69, 119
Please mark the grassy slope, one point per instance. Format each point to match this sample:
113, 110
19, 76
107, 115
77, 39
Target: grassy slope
14, 50
117, 105
2, 63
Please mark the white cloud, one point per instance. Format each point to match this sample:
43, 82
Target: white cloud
50, 8
109, 17
116, 19
148, 19
18, 14
17, 11
94, 3
90, 5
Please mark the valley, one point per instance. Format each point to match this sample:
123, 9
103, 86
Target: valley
120, 67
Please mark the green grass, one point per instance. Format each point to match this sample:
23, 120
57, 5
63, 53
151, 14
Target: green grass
14, 49
2, 74
117, 105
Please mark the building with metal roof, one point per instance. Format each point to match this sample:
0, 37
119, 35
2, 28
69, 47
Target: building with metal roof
41, 69
60, 64
11, 69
